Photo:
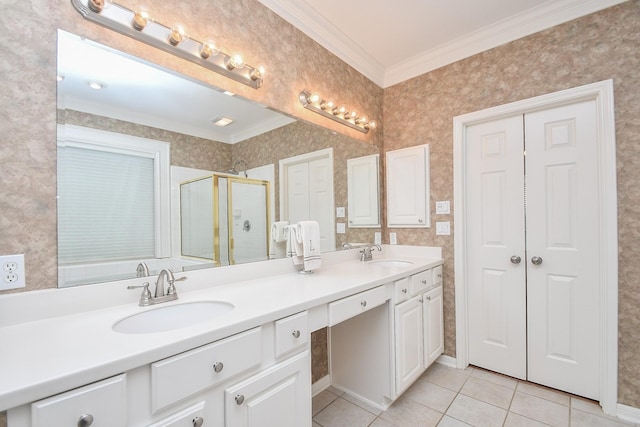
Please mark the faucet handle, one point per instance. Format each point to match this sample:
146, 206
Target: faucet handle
145, 297
171, 289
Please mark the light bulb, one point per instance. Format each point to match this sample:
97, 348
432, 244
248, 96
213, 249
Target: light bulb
314, 98
139, 20
208, 49
371, 125
176, 35
234, 61
257, 73
327, 105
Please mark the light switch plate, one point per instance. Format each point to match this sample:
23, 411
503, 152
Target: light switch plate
443, 228
393, 238
443, 207
340, 228
340, 212
377, 238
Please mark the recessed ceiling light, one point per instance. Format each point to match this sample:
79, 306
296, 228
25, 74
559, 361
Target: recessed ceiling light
94, 84
222, 121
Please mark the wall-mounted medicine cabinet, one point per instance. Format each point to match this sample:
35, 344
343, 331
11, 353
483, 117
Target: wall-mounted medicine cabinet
408, 187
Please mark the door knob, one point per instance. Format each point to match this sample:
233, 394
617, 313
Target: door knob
516, 259
536, 260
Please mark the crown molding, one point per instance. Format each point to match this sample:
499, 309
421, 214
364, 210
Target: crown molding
551, 13
306, 19
546, 16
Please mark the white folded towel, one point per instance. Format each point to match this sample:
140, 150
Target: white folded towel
292, 242
280, 231
308, 244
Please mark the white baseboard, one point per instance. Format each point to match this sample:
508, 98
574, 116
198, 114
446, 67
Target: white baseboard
629, 413
320, 385
447, 361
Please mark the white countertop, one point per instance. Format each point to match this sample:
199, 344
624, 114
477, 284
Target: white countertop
48, 351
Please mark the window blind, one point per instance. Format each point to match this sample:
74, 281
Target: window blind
105, 206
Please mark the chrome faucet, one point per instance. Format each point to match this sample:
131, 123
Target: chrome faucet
366, 254
160, 295
142, 270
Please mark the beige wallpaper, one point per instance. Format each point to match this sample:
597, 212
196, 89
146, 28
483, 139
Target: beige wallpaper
602, 46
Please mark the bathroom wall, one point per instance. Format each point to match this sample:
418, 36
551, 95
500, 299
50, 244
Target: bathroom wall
28, 93
601, 46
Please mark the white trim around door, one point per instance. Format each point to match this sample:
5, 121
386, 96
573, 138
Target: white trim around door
602, 93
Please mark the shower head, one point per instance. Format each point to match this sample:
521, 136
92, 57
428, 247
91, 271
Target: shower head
234, 171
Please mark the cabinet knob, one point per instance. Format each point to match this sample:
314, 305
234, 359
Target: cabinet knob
440, 275
198, 422
420, 220
404, 290
85, 420
239, 399
428, 298
296, 334
536, 260
424, 282
421, 300
217, 367
363, 303
515, 259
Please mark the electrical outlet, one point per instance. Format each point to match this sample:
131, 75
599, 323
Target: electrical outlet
12, 273
377, 238
393, 238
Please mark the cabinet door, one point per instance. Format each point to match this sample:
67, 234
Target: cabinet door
433, 325
279, 396
409, 347
363, 191
408, 187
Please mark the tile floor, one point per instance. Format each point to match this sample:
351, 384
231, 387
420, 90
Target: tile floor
448, 397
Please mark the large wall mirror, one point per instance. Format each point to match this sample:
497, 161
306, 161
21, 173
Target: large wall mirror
130, 134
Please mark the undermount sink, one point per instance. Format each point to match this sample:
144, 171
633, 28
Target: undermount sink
172, 317
390, 263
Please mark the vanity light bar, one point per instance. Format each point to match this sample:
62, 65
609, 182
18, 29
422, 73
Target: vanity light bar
138, 25
340, 114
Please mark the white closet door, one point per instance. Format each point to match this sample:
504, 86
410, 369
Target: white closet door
563, 230
495, 227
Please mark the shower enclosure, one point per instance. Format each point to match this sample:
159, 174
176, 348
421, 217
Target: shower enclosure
225, 219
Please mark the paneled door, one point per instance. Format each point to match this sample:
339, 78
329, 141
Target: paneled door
533, 247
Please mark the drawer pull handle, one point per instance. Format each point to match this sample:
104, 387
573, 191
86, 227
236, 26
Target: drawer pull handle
198, 422
296, 334
404, 291
363, 303
217, 367
424, 281
85, 420
239, 399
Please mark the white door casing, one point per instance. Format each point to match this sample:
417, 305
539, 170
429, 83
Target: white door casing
602, 94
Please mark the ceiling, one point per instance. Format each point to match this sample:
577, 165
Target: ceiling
390, 41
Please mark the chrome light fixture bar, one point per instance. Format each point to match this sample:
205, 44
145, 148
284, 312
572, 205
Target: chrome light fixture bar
340, 114
138, 25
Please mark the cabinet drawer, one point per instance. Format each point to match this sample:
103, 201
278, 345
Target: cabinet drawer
437, 275
346, 308
182, 375
185, 418
402, 289
421, 281
104, 401
291, 333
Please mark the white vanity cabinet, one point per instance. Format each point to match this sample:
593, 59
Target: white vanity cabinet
418, 317
279, 396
